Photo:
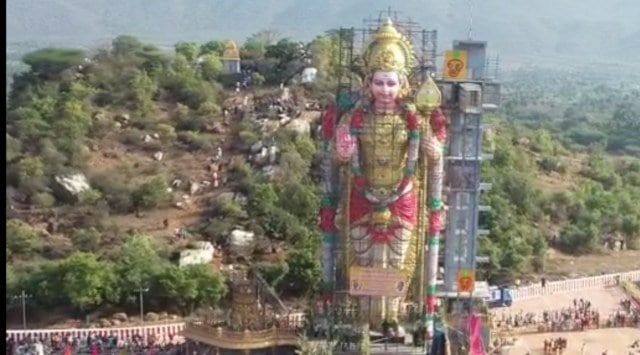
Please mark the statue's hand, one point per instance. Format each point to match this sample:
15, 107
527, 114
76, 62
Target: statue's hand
432, 147
345, 143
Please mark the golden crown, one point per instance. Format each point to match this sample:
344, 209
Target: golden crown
389, 50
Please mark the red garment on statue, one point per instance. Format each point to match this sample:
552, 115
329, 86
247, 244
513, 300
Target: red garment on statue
406, 208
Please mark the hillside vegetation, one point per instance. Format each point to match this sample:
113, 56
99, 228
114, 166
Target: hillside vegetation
566, 173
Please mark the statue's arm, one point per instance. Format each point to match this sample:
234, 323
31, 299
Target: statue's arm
329, 164
434, 137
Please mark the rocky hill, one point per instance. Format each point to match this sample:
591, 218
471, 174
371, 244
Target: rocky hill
119, 160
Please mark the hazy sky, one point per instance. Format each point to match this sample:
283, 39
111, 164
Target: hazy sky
582, 29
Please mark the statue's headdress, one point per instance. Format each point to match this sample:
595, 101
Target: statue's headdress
389, 50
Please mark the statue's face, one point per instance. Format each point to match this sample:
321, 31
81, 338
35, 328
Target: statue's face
385, 87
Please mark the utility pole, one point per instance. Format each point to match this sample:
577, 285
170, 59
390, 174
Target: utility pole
142, 291
23, 298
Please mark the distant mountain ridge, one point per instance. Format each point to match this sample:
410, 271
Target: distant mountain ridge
517, 29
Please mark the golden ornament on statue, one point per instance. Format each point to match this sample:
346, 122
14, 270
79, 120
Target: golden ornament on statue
389, 50
382, 218
428, 97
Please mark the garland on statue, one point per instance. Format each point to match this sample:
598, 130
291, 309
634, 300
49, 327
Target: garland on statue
413, 125
329, 202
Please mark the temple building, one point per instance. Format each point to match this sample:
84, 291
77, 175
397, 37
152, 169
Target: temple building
231, 58
256, 324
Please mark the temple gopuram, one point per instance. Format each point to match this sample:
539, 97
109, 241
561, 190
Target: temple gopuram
256, 323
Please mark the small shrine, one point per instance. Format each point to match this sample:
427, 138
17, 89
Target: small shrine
256, 323
231, 58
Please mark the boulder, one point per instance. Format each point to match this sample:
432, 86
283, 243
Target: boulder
241, 242
257, 147
151, 317
229, 197
299, 126
194, 187
70, 186
122, 317
269, 171
122, 117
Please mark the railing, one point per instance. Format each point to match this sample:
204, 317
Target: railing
293, 320
585, 283
633, 291
522, 293
228, 335
242, 340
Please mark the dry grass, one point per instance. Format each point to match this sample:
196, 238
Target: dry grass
560, 265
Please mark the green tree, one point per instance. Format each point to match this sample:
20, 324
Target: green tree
192, 286
579, 239
273, 273
211, 66
212, 47
27, 124
126, 45
12, 280
321, 50
138, 262
257, 79
72, 125
254, 47
45, 284
87, 282
304, 272
301, 200
293, 168
51, 62
143, 89
190, 50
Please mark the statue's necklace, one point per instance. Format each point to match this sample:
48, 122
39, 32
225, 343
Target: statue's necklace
413, 125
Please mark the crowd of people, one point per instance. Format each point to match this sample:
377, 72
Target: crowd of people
64, 344
555, 346
580, 315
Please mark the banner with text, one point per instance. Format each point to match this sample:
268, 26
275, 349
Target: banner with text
368, 281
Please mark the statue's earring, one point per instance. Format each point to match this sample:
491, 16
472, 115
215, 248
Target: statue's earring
405, 90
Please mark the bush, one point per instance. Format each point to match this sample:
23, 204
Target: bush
116, 193
196, 142
150, 194
228, 208
166, 132
248, 138
89, 197
218, 229
44, 200
192, 123
210, 108
551, 164
87, 240
21, 240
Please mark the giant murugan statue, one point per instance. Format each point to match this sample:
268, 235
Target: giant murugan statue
378, 159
